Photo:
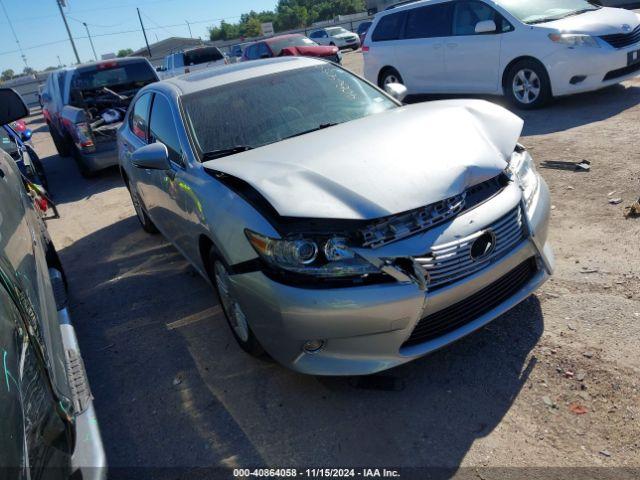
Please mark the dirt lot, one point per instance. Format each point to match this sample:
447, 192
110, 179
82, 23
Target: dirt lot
554, 383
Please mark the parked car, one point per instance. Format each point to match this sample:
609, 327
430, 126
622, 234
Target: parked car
236, 51
23, 153
345, 233
336, 36
290, 45
48, 428
528, 50
362, 30
84, 106
192, 60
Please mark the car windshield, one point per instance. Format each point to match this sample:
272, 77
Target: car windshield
336, 31
539, 11
295, 41
268, 109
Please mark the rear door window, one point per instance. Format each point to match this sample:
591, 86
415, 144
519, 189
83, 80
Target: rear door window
139, 121
429, 22
263, 50
389, 27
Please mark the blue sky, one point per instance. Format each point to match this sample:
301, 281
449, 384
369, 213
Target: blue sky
38, 22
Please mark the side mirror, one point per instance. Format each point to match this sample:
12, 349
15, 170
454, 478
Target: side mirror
46, 98
152, 157
12, 107
486, 26
396, 90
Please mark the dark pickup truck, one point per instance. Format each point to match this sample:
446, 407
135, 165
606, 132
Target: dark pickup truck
84, 106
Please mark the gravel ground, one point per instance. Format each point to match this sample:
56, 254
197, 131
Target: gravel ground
554, 383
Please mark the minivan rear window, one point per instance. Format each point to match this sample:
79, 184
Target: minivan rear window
202, 55
388, 28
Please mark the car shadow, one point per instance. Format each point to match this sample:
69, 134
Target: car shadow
173, 389
563, 113
66, 185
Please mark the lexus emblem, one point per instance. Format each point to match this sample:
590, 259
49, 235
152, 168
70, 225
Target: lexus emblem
483, 246
626, 28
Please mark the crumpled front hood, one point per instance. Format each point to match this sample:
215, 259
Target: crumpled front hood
383, 164
605, 21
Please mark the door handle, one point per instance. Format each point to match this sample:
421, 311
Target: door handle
452, 45
437, 46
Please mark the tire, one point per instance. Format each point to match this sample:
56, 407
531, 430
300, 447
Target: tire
62, 146
38, 168
233, 313
84, 170
527, 85
141, 212
389, 75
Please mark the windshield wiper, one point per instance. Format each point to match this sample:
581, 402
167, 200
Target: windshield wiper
322, 126
225, 152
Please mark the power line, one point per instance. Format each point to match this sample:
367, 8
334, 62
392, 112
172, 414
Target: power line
24, 57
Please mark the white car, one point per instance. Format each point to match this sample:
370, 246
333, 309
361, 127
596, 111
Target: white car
336, 36
528, 50
191, 60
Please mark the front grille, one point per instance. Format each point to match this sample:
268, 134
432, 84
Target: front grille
473, 307
451, 262
621, 40
621, 72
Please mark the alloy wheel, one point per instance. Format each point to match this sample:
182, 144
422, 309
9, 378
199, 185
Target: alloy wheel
526, 86
232, 308
390, 78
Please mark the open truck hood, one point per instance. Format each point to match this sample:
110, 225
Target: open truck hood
383, 164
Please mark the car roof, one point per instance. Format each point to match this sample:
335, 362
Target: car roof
89, 65
282, 37
237, 72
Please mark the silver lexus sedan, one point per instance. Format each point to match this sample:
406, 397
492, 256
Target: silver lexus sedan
344, 232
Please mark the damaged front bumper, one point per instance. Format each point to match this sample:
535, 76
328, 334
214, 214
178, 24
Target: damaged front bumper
366, 329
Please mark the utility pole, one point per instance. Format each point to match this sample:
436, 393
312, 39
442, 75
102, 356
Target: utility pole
64, 19
91, 41
189, 27
144, 32
59, 61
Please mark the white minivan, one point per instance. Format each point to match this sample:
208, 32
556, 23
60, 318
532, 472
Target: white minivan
528, 50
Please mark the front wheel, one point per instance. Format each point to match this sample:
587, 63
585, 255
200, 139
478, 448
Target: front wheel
236, 318
388, 76
146, 223
527, 85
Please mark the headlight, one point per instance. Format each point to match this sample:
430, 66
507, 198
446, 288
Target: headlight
328, 258
573, 40
521, 165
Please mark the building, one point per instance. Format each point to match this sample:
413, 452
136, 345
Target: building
165, 47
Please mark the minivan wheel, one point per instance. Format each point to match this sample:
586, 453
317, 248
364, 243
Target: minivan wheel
232, 310
389, 75
62, 146
146, 223
527, 85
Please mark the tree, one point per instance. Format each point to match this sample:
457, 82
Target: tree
28, 71
8, 74
289, 14
125, 52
